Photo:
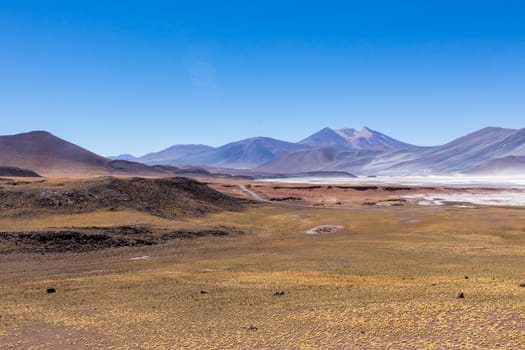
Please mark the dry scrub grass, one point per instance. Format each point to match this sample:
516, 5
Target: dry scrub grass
388, 280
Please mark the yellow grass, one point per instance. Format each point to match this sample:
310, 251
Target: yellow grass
388, 280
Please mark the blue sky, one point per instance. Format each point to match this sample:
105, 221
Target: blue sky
139, 76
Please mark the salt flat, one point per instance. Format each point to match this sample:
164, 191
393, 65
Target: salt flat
430, 180
504, 198
512, 187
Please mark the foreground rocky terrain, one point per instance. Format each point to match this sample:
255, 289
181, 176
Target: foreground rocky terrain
168, 198
120, 264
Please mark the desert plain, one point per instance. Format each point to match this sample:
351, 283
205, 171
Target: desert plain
126, 263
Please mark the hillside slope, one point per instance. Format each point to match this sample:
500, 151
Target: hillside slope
48, 155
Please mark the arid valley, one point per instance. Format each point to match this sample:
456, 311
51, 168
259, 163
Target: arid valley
125, 263
281, 175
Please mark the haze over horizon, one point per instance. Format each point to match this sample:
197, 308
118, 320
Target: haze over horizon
131, 77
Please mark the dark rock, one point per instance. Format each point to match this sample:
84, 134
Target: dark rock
283, 199
461, 296
521, 285
466, 277
279, 293
252, 328
168, 198
204, 291
51, 290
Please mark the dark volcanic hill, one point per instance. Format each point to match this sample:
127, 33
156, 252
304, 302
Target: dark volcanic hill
164, 197
168, 198
49, 155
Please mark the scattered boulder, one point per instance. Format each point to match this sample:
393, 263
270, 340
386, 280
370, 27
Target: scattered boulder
279, 293
461, 295
204, 291
324, 229
466, 277
251, 328
521, 285
51, 290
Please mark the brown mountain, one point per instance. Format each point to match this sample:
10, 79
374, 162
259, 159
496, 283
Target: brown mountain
49, 155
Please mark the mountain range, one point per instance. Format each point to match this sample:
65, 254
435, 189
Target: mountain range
364, 152
487, 151
253, 152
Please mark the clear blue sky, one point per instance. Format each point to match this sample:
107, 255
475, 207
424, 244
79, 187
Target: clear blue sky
138, 76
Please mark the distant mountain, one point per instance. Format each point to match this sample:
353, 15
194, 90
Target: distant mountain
361, 152
320, 159
462, 155
244, 154
175, 154
306, 160
49, 155
326, 138
126, 156
352, 139
336, 150
253, 152
510, 165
